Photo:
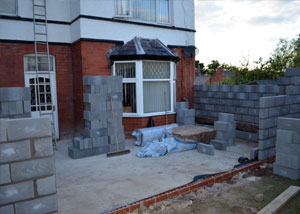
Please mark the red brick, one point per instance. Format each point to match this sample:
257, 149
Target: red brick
161, 198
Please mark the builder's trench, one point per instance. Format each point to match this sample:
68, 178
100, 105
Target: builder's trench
97, 183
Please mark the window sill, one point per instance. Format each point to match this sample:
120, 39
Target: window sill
148, 114
129, 19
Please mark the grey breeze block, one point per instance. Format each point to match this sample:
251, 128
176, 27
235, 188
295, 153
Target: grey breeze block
206, 149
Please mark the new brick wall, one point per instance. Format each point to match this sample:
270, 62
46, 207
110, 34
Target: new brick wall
12, 75
27, 172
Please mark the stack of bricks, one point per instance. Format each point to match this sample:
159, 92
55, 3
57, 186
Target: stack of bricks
15, 102
98, 136
288, 148
27, 172
225, 131
184, 115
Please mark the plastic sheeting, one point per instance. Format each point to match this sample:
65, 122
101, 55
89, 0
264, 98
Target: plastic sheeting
160, 148
148, 135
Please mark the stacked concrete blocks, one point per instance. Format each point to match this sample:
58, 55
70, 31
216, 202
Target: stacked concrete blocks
27, 173
206, 148
184, 115
15, 102
102, 94
288, 148
226, 128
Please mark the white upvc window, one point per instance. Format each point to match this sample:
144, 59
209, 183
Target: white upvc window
148, 87
8, 7
144, 10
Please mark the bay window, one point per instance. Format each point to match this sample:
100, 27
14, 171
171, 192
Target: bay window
148, 86
8, 7
144, 10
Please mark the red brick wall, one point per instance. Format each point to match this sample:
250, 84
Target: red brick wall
12, 75
131, 123
185, 70
72, 63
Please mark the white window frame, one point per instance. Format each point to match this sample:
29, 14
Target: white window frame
130, 16
138, 80
40, 72
11, 14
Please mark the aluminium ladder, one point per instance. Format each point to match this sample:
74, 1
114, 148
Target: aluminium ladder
41, 48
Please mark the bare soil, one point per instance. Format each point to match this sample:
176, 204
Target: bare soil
236, 196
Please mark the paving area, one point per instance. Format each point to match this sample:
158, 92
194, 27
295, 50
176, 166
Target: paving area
93, 184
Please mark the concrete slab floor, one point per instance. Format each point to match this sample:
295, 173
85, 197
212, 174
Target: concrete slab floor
93, 184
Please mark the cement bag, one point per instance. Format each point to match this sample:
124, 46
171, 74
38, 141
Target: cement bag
175, 145
153, 149
148, 135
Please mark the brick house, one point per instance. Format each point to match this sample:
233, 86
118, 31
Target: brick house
87, 37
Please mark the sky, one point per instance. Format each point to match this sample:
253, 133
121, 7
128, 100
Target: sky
232, 31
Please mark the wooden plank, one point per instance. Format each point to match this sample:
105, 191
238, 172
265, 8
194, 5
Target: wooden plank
280, 200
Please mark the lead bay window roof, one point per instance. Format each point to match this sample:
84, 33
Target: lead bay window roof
143, 49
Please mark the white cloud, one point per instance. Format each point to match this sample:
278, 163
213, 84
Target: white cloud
228, 30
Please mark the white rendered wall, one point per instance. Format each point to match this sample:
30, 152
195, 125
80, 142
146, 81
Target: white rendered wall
68, 10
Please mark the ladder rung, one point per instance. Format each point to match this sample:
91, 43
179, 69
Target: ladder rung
38, 5
42, 53
41, 33
39, 14
41, 42
40, 23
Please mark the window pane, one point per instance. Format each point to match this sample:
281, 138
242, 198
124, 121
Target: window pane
8, 6
144, 10
122, 7
42, 63
126, 70
164, 11
156, 96
156, 70
129, 97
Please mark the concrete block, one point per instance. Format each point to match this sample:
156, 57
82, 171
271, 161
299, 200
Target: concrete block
15, 151
291, 72
248, 103
206, 149
4, 109
254, 96
12, 108
3, 130
267, 123
292, 149
263, 154
33, 168
294, 108
9, 209
226, 117
292, 90
46, 185
4, 174
253, 111
246, 135
225, 88
219, 145
81, 153
19, 107
93, 98
91, 133
272, 132
41, 205
290, 124
284, 110
287, 160
286, 172
274, 111
266, 144
266, 102
241, 110
115, 96
250, 88
182, 105
242, 96
287, 137
254, 153
277, 89
262, 89
263, 134
16, 192
34, 127
224, 126
14, 94
283, 81
26, 106
230, 95
248, 118
295, 80
43, 147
